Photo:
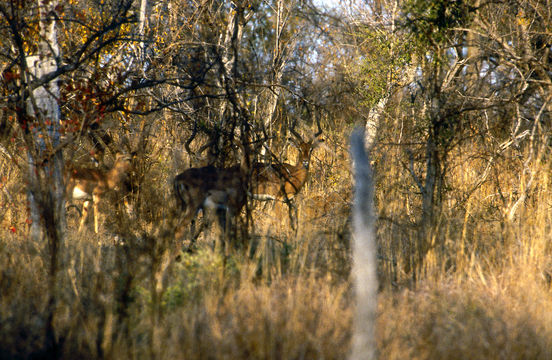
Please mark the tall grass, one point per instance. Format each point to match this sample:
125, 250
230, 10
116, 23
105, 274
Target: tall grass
484, 291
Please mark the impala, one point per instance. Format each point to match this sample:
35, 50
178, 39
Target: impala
225, 190
219, 190
273, 181
92, 185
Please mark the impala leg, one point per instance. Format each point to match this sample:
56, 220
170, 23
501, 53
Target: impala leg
222, 218
217, 206
294, 216
84, 215
129, 208
222, 214
186, 227
292, 213
95, 201
195, 231
180, 231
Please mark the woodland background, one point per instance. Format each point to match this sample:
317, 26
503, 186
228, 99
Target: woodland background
457, 102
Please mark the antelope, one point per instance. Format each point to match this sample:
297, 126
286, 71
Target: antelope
271, 181
219, 190
225, 190
209, 187
91, 185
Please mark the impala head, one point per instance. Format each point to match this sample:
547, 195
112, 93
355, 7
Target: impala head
123, 162
306, 147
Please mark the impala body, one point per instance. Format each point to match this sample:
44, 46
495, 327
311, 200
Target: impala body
91, 185
282, 180
225, 190
220, 189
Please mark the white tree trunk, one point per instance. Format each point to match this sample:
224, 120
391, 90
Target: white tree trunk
141, 28
43, 106
373, 120
364, 253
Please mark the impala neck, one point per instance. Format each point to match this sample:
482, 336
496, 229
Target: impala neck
118, 173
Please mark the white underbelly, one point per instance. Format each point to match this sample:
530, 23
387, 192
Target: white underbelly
78, 194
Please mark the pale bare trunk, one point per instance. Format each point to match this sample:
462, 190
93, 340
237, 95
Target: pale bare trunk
141, 27
46, 191
364, 253
373, 120
43, 105
278, 64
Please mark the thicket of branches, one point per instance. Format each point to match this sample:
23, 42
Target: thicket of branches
455, 97
460, 95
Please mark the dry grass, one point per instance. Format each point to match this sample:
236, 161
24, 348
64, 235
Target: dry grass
496, 315
484, 292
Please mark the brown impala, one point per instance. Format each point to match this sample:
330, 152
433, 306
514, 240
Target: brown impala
282, 180
224, 190
221, 190
93, 184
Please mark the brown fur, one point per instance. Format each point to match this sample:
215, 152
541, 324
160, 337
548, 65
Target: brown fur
227, 188
223, 186
282, 180
92, 184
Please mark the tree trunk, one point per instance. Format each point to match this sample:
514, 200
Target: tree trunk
46, 191
364, 253
43, 106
